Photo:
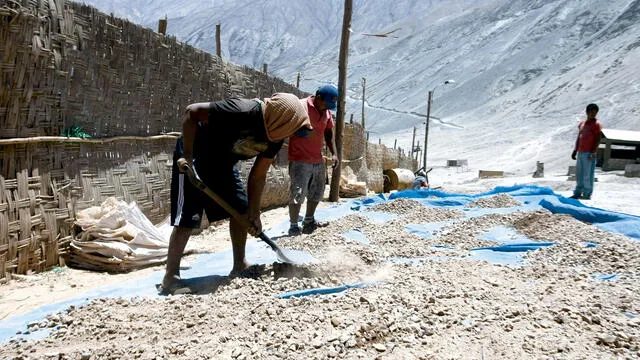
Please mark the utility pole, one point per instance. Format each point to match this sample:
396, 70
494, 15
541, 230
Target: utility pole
364, 87
426, 132
413, 143
334, 194
298, 82
218, 42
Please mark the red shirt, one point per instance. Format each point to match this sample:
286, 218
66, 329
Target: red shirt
588, 135
309, 149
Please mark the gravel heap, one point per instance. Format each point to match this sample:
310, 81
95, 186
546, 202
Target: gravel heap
398, 206
552, 307
496, 201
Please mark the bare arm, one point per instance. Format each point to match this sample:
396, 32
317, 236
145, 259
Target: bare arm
330, 140
596, 144
255, 187
194, 114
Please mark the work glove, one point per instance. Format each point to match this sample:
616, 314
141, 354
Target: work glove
573, 154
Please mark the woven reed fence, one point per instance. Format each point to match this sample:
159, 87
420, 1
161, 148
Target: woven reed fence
64, 64
44, 182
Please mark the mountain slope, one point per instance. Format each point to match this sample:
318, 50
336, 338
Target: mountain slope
524, 70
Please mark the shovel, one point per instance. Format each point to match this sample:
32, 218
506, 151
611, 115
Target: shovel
195, 180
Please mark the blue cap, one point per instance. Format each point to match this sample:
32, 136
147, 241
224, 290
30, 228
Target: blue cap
329, 94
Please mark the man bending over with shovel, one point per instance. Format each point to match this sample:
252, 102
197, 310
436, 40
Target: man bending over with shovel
215, 136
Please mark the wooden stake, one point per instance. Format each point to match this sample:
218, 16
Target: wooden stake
413, 143
218, 42
351, 120
395, 142
162, 26
334, 194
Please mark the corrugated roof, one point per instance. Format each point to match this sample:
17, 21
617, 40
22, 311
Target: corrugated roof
622, 135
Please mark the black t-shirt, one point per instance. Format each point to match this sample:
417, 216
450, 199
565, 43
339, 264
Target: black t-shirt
235, 132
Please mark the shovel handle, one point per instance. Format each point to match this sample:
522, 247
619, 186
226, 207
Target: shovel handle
187, 168
197, 182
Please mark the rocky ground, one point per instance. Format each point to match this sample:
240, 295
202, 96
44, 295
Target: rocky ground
438, 304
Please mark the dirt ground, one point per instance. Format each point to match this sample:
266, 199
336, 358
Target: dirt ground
418, 300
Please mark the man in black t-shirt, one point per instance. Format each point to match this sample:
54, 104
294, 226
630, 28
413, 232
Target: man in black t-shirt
215, 136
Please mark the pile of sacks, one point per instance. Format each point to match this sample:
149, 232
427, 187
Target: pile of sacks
116, 237
350, 187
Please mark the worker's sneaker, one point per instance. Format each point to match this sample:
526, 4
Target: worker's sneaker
311, 226
294, 230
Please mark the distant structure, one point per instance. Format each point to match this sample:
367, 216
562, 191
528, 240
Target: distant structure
621, 147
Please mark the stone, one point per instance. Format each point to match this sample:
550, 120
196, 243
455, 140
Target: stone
380, 347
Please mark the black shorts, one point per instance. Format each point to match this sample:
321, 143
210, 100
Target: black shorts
187, 201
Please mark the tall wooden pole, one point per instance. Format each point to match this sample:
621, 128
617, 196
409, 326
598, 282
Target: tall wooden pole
395, 142
364, 87
218, 42
413, 145
426, 132
334, 194
298, 82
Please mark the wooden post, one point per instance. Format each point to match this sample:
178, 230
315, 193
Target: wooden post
298, 82
379, 141
426, 132
413, 145
367, 136
607, 156
162, 26
364, 86
334, 194
218, 43
264, 68
395, 142
351, 120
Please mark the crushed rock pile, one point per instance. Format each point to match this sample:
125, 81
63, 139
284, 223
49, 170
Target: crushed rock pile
496, 201
551, 307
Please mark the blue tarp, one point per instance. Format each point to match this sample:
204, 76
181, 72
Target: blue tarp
531, 196
324, 291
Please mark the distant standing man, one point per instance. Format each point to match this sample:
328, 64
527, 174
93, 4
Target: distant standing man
215, 136
306, 164
586, 148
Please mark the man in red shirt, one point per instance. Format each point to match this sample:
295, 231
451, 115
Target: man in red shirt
306, 164
586, 148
